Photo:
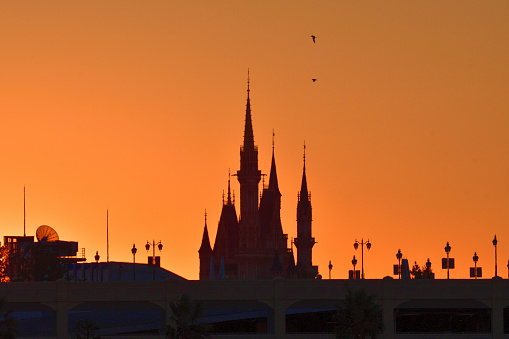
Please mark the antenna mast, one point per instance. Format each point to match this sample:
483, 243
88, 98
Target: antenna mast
24, 214
107, 239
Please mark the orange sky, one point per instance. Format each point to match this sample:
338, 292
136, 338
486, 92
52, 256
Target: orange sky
138, 107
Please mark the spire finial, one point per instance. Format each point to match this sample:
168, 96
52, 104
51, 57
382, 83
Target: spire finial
273, 135
205, 217
107, 236
248, 81
304, 157
24, 214
229, 201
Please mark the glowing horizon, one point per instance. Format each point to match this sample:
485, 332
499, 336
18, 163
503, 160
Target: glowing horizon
139, 109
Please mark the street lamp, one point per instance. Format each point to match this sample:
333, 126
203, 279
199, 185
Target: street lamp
330, 269
447, 250
495, 242
133, 251
475, 258
160, 247
354, 262
399, 255
96, 257
368, 246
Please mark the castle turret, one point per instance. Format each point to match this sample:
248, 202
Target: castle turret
270, 211
304, 241
227, 238
205, 253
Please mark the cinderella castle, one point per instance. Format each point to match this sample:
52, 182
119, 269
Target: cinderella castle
253, 245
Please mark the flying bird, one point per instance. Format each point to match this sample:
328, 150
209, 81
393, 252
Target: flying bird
314, 80
313, 37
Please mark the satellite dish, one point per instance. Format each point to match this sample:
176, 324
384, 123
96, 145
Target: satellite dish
46, 233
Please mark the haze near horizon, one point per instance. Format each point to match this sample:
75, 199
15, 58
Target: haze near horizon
139, 108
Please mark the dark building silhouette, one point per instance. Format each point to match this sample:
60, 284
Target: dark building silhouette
253, 246
24, 252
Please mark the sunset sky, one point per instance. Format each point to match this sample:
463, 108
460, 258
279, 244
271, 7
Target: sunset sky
138, 107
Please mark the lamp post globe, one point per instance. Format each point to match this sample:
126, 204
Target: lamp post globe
495, 242
399, 255
356, 246
96, 257
354, 262
160, 247
447, 248
133, 251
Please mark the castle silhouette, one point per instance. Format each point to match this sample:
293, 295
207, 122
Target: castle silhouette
254, 245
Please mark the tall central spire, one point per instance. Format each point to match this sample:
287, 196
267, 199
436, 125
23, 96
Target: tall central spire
248, 128
304, 185
249, 176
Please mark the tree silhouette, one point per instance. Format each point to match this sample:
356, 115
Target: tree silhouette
427, 272
358, 316
4, 262
184, 318
416, 271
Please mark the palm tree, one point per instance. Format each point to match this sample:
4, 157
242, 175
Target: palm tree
358, 316
184, 318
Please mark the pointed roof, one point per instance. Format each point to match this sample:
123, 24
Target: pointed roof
273, 184
248, 127
291, 265
304, 185
229, 201
205, 241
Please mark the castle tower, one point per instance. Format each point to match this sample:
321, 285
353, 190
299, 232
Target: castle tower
304, 241
270, 212
253, 246
205, 253
249, 176
227, 237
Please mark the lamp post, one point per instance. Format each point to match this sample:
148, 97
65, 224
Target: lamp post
354, 262
399, 255
133, 251
368, 246
160, 247
330, 269
96, 257
495, 242
447, 250
475, 258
